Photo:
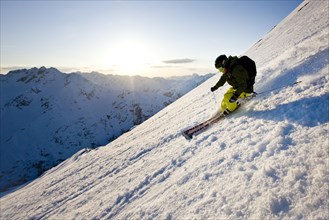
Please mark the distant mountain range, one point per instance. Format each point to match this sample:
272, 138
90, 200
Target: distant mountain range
47, 115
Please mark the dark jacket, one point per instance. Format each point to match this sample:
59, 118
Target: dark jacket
236, 76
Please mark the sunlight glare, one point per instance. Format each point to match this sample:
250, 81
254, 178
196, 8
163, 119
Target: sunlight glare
129, 57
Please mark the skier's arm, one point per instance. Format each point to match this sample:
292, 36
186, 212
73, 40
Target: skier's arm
221, 81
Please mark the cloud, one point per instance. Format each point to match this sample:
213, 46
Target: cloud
175, 61
7, 69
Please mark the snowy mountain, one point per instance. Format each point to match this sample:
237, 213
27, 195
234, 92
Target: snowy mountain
268, 160
47, 116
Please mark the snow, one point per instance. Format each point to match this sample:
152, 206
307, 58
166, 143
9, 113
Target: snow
269, 160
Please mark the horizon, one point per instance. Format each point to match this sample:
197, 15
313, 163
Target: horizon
133, 38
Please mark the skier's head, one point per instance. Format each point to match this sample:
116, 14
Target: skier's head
220, 61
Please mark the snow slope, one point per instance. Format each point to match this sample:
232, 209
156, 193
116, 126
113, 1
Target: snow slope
269, 160
47, 116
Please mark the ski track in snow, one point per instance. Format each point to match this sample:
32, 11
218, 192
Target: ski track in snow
268, 160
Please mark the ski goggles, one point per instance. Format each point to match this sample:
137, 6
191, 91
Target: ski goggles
221, 69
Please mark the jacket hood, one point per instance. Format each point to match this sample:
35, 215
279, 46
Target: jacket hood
231, 61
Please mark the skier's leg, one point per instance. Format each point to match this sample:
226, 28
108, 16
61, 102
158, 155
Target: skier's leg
231, 106
226, 105
242, 96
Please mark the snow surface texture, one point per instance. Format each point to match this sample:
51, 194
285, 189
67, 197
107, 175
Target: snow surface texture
269, 160
47, 116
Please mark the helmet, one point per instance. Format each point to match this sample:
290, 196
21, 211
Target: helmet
220, 61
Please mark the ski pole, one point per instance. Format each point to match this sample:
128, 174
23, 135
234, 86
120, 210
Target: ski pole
281, 87
214, 97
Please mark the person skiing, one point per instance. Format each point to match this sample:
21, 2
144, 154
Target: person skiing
236, 75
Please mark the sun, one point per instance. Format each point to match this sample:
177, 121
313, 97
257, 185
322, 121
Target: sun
129, 57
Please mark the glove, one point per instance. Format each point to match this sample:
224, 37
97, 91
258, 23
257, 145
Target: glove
233, 98
213, 89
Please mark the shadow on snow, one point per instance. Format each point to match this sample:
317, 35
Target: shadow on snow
312, 64
309, 112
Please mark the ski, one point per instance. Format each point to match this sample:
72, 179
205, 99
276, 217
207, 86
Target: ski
189, 133
193, 131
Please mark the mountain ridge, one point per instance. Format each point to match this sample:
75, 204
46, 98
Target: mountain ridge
62, 113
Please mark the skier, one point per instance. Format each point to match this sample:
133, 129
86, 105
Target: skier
236, 75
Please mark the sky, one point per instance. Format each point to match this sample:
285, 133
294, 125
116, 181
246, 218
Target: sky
148, 38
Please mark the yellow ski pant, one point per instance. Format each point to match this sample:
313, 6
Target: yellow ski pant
231, 106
